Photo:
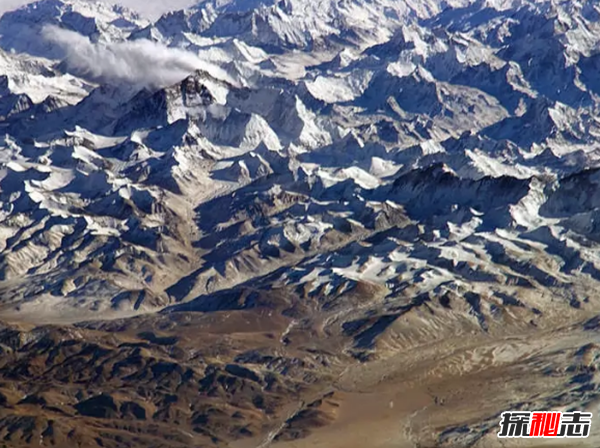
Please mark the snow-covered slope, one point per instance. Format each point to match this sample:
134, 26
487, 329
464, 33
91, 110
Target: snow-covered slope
20, 29
294, 132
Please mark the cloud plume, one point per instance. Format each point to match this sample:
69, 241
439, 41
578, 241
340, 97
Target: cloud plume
141, 63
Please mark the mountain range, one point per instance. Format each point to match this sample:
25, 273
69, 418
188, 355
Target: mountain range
294, 223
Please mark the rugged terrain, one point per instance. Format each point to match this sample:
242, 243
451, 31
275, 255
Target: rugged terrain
296, 223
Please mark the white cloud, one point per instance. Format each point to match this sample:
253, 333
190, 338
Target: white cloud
8, 5
149, 8
141, 63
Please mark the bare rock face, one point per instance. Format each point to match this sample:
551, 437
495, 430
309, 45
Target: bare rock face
101, 406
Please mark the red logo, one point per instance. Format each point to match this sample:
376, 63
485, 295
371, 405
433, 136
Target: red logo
545, 424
